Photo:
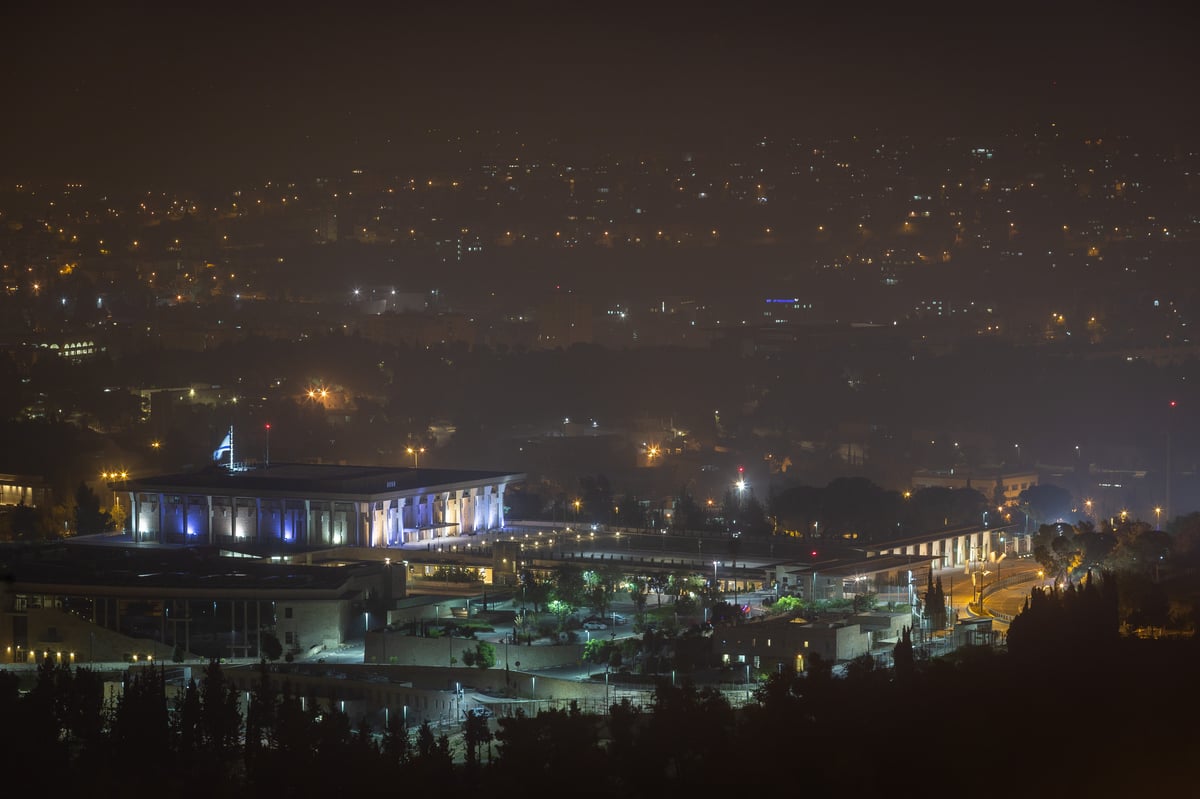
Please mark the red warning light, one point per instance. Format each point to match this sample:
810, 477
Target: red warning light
743, 468
268, 426
1172, 403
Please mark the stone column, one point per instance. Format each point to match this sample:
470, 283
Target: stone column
307, 522
487, 509
162, 518
400, 503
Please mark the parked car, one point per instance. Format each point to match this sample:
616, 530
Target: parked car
618, 618
595, 625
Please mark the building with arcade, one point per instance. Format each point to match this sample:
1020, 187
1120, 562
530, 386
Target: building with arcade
300, 506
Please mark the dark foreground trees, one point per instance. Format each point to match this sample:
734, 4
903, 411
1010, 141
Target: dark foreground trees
1081, 713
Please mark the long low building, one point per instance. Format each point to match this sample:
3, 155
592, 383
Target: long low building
98, 599
284, 506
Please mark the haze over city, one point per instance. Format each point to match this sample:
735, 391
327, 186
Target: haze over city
146, 93
484, 322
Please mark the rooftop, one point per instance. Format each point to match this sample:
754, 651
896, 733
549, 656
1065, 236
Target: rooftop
165, 568
322, 479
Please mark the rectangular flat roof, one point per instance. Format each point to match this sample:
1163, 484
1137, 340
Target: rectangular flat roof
318, 479
167, 569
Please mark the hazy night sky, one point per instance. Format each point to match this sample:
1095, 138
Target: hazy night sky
153, 94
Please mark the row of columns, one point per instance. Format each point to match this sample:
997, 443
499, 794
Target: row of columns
394, 521
966, 548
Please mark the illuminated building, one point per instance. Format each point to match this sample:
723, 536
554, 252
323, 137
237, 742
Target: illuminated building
293, 506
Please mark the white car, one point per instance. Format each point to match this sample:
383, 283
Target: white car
595, 625
618, 618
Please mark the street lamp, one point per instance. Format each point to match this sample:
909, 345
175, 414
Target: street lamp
1157, 517
415, 453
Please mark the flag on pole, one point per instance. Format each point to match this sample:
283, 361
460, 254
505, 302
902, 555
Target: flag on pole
225, 447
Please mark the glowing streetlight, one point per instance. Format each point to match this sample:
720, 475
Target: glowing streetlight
415, 452
1157, 516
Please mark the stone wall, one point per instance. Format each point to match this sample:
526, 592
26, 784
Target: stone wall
398, 648
53, 631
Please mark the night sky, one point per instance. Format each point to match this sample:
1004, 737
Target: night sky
147, 93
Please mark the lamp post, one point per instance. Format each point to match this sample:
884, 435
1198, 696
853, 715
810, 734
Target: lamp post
415, 452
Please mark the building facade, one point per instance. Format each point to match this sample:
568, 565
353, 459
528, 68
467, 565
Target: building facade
284, 506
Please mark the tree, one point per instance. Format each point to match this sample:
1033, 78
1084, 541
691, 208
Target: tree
1140, 549
220, 719
935, 603
569, 587
482, 657
787, 604
395, 744
902, 657
26, 523
272, 649
475, 733
89, 518
865, 602
1046, 503
260, 716
1185, 536
688, 514
432, 762
1055, 547
638, 587
1097, 545
561, 610
140, 721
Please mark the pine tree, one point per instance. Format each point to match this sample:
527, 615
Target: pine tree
902, 657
